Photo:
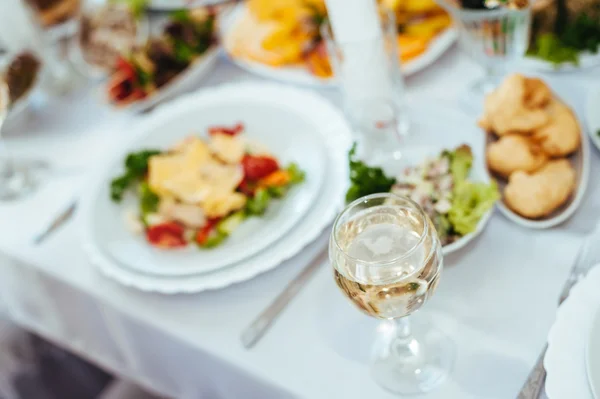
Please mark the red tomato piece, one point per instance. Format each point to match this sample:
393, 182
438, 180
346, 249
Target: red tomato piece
257, 167
204, 232
166, 235
247, 187
125, 66
230, 131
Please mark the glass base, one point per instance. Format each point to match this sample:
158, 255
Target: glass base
476, 92
409, 363
19, 179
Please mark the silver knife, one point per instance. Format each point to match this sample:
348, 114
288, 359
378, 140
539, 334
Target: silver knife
60, 219
587, 257
253, 333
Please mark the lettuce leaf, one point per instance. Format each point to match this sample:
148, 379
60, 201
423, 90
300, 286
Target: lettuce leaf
470, 201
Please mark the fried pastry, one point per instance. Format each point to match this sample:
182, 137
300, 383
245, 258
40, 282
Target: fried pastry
537, 93
514, 152
561, 136
505, 110
540, 193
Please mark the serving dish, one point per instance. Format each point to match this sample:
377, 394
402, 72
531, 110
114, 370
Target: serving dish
301, 76
579, 161
261, 101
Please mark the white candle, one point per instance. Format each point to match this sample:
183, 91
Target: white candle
364, 73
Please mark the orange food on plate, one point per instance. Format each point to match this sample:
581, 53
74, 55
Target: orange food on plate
410, 47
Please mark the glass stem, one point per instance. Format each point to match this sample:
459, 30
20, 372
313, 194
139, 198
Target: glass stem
403, 329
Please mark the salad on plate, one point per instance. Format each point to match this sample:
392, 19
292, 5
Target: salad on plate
441, 186
201, 190
186, 37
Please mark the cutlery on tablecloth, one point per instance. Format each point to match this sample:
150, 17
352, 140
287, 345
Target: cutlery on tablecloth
58, 221
253, 333
587, 257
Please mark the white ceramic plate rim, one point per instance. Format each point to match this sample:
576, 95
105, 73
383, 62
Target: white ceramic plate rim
337, 137
592, 114
191, 260
299, 76
592, 356
565, 357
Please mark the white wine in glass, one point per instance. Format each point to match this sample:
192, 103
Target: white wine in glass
387, 260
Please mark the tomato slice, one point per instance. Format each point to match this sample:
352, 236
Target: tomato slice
257, 167
166, 235
230, 131
125, 66
204, 232
247, 187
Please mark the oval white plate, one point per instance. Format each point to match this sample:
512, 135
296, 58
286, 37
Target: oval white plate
580, 161
415, 155
565, 358
335, 135
185, 81
592, 114
592, 357
300, 76
289, 134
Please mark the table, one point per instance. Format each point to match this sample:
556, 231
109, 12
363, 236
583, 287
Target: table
497, 299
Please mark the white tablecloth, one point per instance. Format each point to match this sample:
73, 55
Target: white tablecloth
497, 298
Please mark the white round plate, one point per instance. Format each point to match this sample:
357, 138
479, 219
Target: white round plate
592, 114
300, 76
567, 340
185, 81
592, 356
415, 155
580, 160
586, 60
290, 135
335, 136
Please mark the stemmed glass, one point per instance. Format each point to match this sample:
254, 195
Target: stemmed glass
494, 38
387, 260
370, 80
16, 178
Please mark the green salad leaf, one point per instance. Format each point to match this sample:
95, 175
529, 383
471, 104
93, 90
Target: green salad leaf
137, 7
148, 199
365, 180
563, 46
470, 201
136, 167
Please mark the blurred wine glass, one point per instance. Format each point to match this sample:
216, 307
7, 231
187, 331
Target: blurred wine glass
21, 28
494, 38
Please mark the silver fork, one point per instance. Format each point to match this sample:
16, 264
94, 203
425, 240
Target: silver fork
587, 257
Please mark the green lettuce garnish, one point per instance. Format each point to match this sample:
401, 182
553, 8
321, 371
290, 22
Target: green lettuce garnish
470, 201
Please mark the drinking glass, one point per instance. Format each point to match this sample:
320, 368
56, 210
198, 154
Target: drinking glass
387, 260
370, 79
494, 38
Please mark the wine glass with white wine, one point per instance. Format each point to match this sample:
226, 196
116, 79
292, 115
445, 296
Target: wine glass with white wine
387, 260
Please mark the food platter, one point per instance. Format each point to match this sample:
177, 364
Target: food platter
184, 82
300, 144
293, 105
300, 76
577, 157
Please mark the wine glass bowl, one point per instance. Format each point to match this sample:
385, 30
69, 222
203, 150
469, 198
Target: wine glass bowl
387, 260
494, 38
